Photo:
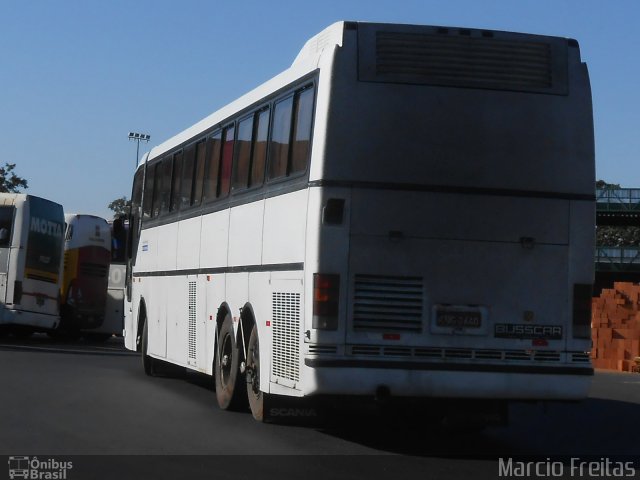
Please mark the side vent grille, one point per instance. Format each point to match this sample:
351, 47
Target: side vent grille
455, 354
286, 336
383, 303
580, 357
469, 58
192, 320
322, 349
365, 350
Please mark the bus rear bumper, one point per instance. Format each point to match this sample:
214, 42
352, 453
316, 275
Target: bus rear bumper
36, 320
453, 380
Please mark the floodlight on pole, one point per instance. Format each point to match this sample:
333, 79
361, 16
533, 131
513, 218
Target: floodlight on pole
138, 137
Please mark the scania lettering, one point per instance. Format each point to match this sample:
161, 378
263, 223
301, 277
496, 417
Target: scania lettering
358, 225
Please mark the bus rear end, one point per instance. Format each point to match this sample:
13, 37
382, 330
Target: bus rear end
454, 198
31, 235
87, 257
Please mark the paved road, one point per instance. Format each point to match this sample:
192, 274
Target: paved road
63, 399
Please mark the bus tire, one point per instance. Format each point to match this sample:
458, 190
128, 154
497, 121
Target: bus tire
147, 361
227, 359
254, 395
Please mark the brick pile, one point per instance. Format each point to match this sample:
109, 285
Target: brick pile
615, 327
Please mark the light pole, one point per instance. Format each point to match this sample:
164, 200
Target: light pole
138, 137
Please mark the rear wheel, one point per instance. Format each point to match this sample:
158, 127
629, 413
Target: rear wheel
147, 361
254, 394
228, 389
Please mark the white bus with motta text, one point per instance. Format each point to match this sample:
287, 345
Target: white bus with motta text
31, 245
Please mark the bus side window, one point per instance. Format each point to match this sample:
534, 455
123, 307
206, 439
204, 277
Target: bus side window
243, 154
147, 205
226, 160
302, 131
134, 219
6, 221
187, 177
175, 182
165, 184
259, 153
157, 187
280, 138
212, 169
69, 234
196, 193
118, 240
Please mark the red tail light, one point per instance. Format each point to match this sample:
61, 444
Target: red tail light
326, 293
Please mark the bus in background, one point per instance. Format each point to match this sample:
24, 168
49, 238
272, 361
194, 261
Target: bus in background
114, 310
83, 293
406, 213
31, 243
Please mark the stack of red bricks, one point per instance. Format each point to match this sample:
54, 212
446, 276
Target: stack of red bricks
615, 327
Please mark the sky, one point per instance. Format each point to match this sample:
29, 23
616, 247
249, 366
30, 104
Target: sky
76, 76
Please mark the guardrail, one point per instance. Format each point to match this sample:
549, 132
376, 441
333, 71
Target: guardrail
618, 199
618, 258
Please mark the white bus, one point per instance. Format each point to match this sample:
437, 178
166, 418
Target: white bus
407, 212
31, 242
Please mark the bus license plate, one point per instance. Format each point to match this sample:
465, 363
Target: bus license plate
458, 319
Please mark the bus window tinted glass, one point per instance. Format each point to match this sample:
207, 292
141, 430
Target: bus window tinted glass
196, 194
243, 154
226, 160
259, 149
148, 193
212, 169
175, 184
6, 222
136, 197
155, 187
187, 176
302, 131
165, 184
280, 138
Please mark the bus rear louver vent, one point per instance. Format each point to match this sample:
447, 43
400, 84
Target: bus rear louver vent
286, 336
385, 303
461, 61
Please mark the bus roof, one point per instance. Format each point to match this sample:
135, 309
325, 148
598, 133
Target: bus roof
306, 61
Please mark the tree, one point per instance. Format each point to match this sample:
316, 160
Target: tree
9, 181
602, 185
120, 207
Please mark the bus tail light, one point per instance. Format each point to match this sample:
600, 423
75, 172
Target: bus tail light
582, 294
17, 292
326, 293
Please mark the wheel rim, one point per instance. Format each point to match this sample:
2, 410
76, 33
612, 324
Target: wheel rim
226, 360
255, 370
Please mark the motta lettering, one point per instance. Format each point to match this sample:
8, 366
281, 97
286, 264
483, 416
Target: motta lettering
46, 227
509, 330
